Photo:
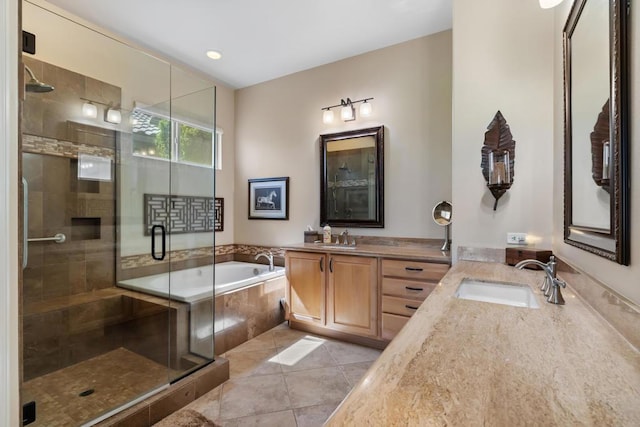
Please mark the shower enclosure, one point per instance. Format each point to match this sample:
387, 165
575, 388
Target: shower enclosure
117, 157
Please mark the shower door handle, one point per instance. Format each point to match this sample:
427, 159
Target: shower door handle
153, 242
25, 223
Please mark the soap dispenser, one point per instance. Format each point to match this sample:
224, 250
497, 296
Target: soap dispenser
326, 234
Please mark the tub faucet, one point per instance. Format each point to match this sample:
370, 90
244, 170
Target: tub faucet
268, 255
551, 284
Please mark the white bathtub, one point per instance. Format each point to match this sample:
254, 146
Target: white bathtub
194, 284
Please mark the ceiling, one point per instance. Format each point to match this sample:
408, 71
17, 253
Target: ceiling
264, 39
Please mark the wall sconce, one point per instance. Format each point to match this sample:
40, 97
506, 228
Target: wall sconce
348, 111
89, 110
498, 153
113, 116
601, 150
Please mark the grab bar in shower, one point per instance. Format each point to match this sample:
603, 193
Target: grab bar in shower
25, 223
58, 238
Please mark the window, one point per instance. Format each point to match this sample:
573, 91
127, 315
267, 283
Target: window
160, 138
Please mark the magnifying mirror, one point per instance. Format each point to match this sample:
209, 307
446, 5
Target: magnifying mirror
442, 216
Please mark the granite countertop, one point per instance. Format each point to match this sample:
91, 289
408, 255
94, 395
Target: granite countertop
460, 362
416, 252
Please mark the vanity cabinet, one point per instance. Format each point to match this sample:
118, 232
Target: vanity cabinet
337, 292
352, 295
365, 298
306, 273
405, 285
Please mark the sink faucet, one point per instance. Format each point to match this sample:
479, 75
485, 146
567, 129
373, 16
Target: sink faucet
551, 284
345, 237
268, 255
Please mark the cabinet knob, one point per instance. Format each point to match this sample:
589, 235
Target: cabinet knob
322, 264
331, 265
413, 269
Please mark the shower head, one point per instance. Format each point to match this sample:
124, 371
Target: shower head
35, 85
344, 167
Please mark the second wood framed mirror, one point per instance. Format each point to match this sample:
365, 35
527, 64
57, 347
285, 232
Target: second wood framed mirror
596, 190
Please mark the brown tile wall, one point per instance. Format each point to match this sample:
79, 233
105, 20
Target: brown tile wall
70, 333
248, 313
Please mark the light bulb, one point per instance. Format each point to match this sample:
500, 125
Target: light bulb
548, 4
347, 112
89, 110
114, 116
327, 116
365, 109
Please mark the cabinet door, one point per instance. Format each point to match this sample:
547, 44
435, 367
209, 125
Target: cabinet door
353, 295
306, 290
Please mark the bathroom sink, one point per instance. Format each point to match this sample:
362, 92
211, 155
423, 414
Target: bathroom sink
514, 294
337, 247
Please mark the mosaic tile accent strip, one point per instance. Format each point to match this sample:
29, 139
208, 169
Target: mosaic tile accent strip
135, 261
255, 250
55, 147
183, 214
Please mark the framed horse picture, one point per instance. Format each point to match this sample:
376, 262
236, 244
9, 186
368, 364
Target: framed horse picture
269, 198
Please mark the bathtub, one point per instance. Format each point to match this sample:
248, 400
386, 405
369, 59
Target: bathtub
194, 284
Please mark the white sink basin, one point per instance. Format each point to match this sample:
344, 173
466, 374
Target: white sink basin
514, 294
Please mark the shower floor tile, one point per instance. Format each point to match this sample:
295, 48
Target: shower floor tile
115, 377
280, 378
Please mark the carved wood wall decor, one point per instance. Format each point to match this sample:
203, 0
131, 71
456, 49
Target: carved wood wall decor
498, 141
599, 136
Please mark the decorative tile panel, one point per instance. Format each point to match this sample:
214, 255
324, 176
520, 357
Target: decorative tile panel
183, 214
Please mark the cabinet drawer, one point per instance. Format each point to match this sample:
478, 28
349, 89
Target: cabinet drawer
391, 325
414, 269
407, 288
402, 306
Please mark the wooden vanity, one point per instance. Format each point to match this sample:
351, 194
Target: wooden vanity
363, 295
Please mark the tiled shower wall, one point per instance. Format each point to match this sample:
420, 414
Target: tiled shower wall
65, 310
60, 203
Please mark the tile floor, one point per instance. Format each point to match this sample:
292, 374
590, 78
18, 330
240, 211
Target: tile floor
282, 378
114, 378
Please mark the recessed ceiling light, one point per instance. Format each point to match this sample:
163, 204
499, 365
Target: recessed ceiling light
214, 54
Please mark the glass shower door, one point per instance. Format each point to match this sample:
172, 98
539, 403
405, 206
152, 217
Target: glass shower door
90, 345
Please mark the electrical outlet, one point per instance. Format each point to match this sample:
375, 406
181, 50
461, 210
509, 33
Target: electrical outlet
517, 238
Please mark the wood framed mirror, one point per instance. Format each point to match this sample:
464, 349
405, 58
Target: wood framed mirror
352, 178
596, 187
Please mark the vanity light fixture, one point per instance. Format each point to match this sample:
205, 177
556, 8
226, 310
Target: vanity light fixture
113, 116
548, 4
89, 110
347, 110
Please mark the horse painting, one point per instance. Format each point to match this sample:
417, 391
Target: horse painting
266, 202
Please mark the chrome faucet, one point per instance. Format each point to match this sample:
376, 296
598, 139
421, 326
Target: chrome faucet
551, 285
345, 237
268, 255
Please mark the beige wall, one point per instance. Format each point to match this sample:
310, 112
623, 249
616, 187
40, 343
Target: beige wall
623, 279
502, 60
278, 124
